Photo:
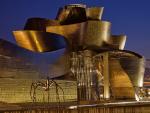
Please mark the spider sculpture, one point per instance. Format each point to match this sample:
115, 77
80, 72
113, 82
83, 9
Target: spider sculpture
46, 86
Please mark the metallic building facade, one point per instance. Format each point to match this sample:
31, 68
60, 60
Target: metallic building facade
93, 57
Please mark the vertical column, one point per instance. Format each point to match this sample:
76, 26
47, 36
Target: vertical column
106, 75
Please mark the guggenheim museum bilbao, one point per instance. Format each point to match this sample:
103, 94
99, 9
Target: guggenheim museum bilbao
93, 67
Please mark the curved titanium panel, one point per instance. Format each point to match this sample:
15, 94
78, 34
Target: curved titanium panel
90, 34
71, 14
132, 65
97, 33
126, 70
20, 63
39, 24
39, 41
61, 67
94, 13
120, 83
117, 41
123, 52
73, 33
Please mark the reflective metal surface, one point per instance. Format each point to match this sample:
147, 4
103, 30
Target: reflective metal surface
71, 14
83, 69
97, 33
120, 83
90, 34
74, 33
61, 67
20, 63
39, 24
39, 41
94, 13
133, 66
102, 69
126, 71
117, 41
106, 76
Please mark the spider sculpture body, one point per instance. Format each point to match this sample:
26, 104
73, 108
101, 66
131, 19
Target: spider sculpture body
46, 87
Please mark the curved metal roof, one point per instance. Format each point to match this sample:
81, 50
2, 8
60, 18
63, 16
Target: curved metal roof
121, 51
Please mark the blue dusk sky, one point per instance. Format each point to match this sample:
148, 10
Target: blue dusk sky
130, 17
